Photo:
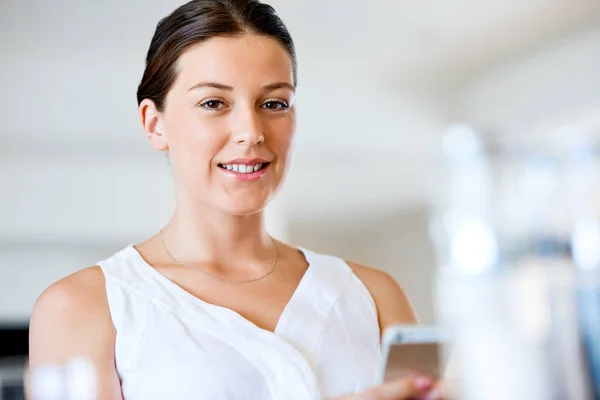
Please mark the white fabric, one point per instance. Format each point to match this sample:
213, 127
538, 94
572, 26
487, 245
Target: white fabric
172, 345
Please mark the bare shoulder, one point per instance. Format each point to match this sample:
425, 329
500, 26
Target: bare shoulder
71, 319
81, 291
66, 313
393, 305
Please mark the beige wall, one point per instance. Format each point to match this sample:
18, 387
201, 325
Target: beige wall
396, 242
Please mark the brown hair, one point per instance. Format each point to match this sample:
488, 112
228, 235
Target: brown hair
200, 20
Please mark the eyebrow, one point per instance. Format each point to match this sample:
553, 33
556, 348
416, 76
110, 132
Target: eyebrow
220, 86
279, 85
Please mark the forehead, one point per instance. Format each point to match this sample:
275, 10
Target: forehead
239, 61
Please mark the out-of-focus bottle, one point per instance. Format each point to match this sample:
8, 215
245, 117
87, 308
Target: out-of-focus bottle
586, 256
48, 382
76, 380
505, 218
81, 380
588, 297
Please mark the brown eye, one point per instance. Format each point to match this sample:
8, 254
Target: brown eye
212, 104
275, 105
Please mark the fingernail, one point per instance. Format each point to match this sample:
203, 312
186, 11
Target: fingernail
433, 395
422, 382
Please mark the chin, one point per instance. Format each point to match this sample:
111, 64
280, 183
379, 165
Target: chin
243, 209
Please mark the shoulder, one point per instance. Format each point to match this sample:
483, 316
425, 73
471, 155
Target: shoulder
393, 305
80, 291
71, 319
68, 313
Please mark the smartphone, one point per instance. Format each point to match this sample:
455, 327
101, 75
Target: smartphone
410, 349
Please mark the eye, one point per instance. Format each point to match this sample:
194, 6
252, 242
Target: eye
275, 105
212, 104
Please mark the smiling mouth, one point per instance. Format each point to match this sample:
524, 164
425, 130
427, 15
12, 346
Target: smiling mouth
244, 168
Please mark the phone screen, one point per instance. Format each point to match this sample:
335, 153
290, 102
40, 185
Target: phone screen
409, 358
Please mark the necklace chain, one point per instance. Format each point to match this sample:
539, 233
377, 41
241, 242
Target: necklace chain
162, 239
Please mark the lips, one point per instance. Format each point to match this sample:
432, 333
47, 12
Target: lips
244, 168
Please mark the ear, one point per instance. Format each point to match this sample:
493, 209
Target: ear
152, 124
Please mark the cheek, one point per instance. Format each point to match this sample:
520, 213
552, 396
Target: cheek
197, 135
282, 137
194, 142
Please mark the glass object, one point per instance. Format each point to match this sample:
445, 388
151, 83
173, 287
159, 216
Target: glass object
588, 302
515, 223
76, 380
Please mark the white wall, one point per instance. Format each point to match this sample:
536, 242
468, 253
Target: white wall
556, 83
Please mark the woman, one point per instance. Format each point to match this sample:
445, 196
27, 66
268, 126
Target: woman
212, 307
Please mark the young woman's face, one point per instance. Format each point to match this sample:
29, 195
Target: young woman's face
228, 122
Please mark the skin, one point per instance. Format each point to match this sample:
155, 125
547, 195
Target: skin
218, 223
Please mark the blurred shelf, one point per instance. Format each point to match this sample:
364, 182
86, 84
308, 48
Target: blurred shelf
14, 342
57, 244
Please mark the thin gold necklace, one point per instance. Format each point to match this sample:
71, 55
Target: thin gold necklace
162, 239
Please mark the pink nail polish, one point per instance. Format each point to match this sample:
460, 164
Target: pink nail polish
422, 382
432, 395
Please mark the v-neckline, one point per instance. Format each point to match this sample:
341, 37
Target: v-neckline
283, 317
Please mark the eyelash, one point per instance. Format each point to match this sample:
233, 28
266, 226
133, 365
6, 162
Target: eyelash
204, 104
282, 104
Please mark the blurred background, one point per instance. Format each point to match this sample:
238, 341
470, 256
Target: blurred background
379, 84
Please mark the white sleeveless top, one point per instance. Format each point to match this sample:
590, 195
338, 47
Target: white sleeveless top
172, 345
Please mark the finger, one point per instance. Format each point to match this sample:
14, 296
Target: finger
442, 391
399, 390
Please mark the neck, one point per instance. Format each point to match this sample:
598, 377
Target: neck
204, 234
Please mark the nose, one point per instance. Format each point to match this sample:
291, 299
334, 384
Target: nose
247, 129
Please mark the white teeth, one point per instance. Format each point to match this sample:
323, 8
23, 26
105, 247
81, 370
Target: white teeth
242, 168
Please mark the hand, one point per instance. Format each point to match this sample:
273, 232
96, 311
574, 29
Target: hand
417, 387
